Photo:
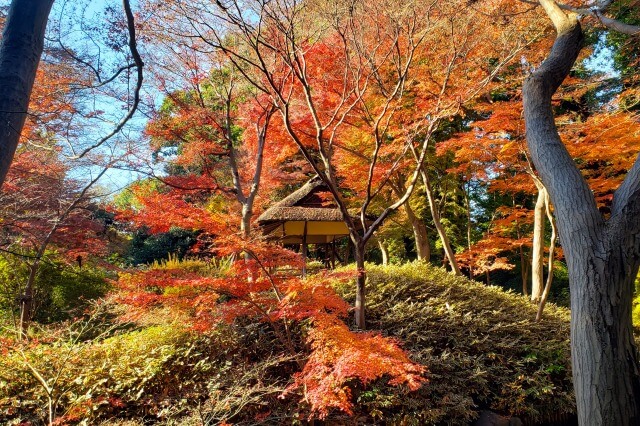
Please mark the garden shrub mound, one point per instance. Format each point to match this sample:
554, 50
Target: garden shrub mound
160, 374
480, 344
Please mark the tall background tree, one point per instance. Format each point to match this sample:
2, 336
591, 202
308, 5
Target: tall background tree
602, 250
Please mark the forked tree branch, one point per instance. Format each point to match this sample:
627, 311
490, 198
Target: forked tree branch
597, 12
139, 64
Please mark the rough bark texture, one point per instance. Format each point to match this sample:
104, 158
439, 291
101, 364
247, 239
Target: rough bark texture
602, 256
20, 51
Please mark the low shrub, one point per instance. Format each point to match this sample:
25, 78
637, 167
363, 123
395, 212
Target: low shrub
137, 373
159, 373
60, 291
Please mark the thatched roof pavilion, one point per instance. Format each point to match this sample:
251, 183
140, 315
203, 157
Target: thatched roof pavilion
306, 216
310, 211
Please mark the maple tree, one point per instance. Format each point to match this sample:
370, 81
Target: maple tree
206, 296
205, 137
48, 200
343, 118
291, 83
210, 136
43, 207
206, 131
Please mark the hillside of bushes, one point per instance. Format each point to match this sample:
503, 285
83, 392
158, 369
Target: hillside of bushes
482, 349
480, 344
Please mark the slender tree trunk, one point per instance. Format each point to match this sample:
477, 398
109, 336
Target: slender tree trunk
26, 305
602, 256
435, 214
423, 249
245, 229
384, 251
467, 205
347, 252
245, 220
26, 301
420, 234
20, 51
524, 271
305, 249
537, 251
524, 266
360, 285
552, 249
333, 254
468, 208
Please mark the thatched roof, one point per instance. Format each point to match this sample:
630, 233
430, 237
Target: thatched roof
303, 214
305, 204
309, 214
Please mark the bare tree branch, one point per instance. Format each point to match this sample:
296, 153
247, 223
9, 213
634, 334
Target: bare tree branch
139, 64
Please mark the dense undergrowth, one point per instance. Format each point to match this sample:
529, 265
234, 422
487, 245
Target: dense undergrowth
479, 344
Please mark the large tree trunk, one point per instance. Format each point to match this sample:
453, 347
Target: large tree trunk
603, 354
537, 251
423, 249
20, 51
602, 256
